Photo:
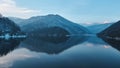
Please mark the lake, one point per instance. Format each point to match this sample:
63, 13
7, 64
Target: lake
75, 52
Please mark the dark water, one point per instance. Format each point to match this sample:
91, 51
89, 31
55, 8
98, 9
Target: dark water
75, 52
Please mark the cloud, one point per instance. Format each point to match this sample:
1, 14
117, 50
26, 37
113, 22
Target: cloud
10, 8
106, 21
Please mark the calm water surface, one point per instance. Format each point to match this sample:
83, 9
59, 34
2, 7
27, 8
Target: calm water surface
87, 52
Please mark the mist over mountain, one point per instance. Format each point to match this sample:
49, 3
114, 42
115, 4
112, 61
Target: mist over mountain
96, 28
17, 20
112, 31
56, 20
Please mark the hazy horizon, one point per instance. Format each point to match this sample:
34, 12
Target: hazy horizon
80, 11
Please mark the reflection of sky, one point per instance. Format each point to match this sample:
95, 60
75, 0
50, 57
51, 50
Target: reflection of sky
79, 54
16, 55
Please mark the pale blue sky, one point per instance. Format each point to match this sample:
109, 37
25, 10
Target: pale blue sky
80, 11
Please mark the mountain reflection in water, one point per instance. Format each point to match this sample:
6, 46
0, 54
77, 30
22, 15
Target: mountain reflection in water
70, 53
112, 42
51, 47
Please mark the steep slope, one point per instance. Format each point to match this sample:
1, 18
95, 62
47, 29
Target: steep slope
51, 21
8, 26
111, 32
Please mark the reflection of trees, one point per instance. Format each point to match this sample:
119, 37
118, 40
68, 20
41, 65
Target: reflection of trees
7, 46
7, 30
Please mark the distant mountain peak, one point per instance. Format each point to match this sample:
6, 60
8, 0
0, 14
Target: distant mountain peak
52, 15
47, 16
52, 20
